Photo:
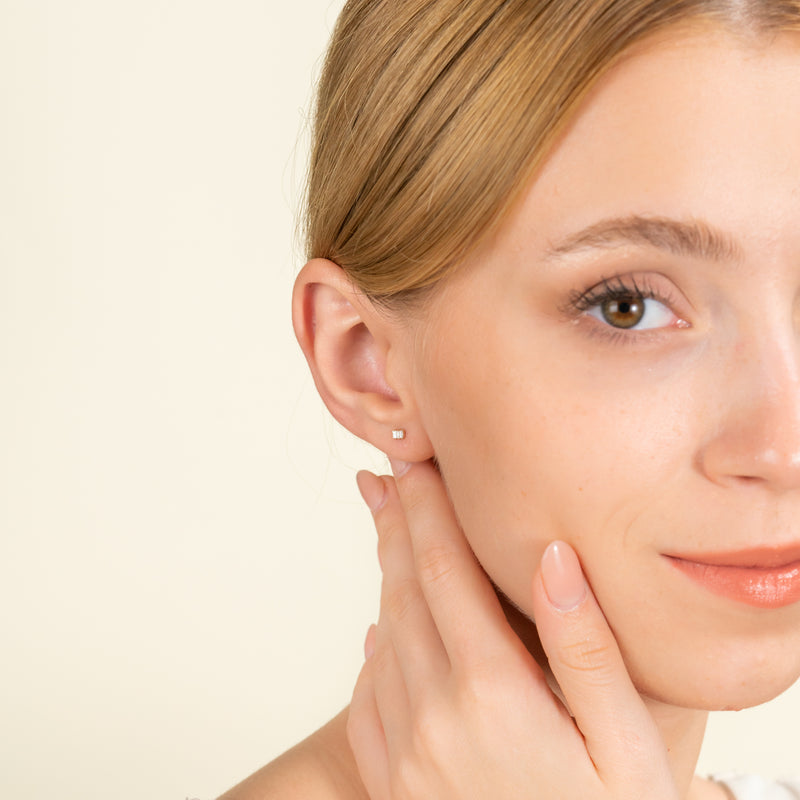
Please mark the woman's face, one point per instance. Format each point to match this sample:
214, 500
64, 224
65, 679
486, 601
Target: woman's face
678, 435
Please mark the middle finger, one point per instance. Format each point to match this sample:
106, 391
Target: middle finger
405, 616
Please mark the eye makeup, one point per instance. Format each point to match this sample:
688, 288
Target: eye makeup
621, 304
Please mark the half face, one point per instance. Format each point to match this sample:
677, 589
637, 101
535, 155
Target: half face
619, 367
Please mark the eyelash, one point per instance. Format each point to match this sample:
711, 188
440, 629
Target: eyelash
617, 288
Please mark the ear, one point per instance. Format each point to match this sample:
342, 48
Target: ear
350, 346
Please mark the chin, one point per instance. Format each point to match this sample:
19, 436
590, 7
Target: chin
728, 678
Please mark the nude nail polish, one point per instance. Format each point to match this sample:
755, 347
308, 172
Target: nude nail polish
562, 577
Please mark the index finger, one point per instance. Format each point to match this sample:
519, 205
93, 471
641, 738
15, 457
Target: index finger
461, 599
587, 664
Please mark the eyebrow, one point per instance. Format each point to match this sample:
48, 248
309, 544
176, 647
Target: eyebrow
684, 238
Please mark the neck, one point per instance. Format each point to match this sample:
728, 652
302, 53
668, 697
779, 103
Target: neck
682, 729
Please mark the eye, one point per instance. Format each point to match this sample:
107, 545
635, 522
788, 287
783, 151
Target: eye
632, 311
624, 304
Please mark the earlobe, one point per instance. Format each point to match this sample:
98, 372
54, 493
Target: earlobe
347, 343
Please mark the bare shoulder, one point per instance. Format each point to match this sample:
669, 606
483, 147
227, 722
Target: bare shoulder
321, 767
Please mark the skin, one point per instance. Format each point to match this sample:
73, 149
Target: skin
548, 423
679, 439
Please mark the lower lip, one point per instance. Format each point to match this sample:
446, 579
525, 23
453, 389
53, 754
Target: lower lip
762, 587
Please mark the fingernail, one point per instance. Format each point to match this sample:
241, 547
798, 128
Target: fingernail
399, 468
369, 642
562, 577
372, 489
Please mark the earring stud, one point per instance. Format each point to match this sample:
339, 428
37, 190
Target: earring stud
398, 433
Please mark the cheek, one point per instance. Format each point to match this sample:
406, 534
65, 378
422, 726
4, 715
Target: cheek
618, 485
570, 457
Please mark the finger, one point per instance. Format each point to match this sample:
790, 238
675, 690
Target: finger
463, 604
388, 683
404, 610
366, 737
391, 693
587, 663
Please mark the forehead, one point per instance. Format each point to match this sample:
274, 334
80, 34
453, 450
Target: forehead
701, 123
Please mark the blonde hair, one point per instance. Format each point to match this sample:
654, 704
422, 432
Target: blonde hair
432, 116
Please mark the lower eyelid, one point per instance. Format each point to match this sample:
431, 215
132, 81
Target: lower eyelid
630, 337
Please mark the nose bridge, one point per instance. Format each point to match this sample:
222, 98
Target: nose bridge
759, 436
774, 373
777, 412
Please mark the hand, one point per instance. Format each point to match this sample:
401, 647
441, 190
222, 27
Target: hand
451, 706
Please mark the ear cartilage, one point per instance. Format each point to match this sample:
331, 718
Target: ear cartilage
398, 433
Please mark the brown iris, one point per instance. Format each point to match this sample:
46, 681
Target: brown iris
623, 312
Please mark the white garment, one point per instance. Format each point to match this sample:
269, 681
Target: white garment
753, 787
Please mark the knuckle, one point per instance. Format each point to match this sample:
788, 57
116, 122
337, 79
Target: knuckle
401, 598
435, 565
425, 750
484, 687
426, 731
471, 682
589, 657
406, 777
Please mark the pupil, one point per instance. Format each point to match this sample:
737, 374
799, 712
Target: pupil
623, 312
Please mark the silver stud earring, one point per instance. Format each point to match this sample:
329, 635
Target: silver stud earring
398, 433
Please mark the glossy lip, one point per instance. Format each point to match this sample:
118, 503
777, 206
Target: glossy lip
764, 577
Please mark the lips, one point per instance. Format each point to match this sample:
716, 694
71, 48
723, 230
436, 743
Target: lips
775, 556
764, 577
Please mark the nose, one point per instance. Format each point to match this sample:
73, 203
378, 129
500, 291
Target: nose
757, 437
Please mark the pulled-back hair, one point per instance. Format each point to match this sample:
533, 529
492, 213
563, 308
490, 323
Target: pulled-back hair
433, 115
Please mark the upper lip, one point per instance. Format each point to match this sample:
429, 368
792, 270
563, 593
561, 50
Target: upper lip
769, 556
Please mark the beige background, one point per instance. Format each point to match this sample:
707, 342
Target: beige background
186, 573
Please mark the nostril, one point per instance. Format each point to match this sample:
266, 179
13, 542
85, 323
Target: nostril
748, 479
